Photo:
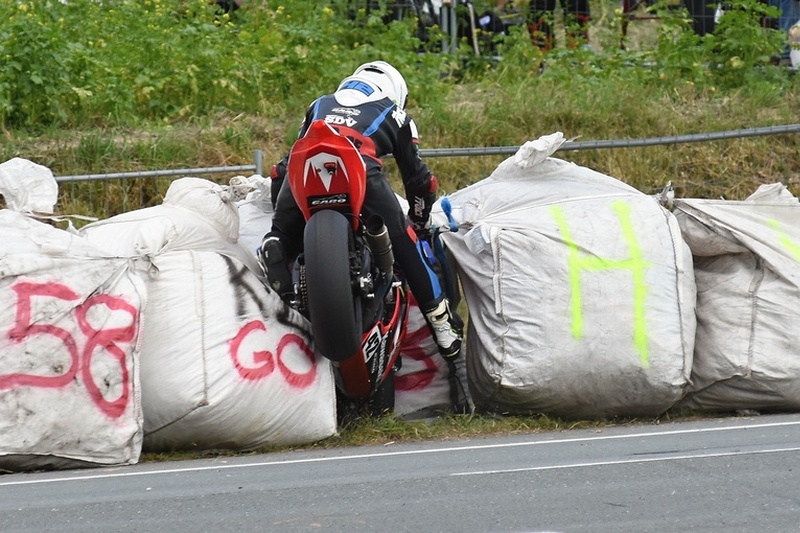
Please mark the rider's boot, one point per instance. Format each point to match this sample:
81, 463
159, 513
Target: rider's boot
273, 259
447, 332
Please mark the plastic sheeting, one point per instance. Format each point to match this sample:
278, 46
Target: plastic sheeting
196, 214
747, 266
580, 291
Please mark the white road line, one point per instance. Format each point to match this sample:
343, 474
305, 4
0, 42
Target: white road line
625, 461
108, 475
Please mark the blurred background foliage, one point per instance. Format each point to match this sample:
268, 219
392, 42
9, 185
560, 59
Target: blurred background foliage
91, 86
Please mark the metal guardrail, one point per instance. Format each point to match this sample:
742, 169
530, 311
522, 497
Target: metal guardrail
257, 166
621, 143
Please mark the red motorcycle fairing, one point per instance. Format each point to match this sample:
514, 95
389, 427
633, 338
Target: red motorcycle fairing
326, 171
380, 347
385, 338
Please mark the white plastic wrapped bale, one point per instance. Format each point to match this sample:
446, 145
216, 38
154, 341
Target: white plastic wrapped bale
225, 364
580, 291
27, 186
747, 267
255, 212
196, 214
69, 331
425, 385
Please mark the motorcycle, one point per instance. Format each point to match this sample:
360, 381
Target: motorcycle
345, 280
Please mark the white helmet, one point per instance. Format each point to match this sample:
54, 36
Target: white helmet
373, 81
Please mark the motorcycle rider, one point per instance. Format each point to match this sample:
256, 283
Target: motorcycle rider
368, 107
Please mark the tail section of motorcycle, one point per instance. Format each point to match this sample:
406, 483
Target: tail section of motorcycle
347, 284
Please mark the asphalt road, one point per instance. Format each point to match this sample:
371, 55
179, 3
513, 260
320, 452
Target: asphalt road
722, 475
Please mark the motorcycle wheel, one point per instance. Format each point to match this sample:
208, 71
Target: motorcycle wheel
331, 301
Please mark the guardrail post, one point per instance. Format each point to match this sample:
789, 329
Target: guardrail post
258, 158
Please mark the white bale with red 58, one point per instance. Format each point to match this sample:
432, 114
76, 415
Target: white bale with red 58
69, 331
166, 294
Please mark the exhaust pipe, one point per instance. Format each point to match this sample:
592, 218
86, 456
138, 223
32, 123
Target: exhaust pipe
380, 244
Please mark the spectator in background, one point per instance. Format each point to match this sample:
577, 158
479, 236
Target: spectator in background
702, 13
541, 19
704, 17
790, 14
229, 6
482, 29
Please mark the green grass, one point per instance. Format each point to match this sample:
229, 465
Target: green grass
493, 116
390, 429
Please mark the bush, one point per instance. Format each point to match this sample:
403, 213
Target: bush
88, 62
84, 61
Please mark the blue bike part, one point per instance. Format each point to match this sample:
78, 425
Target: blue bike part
429, 259
447, 208
427, 253
449, 279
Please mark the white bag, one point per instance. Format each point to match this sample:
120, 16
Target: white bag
196, 214
580, 291
27, 186
69, 331
225, 364
747, 266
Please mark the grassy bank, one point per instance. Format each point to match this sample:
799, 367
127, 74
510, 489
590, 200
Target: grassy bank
491, 116
172, 84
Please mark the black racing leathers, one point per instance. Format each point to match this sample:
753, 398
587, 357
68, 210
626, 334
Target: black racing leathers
377, 129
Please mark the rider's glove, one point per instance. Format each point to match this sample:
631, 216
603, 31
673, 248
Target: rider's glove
419, 210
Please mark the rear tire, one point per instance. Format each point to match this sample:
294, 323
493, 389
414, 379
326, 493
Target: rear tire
331, 301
